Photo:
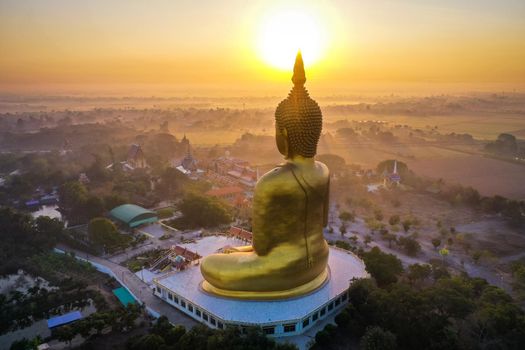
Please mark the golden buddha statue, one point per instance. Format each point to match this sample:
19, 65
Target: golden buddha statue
289, 254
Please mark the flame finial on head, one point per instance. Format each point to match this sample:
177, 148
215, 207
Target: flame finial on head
299, 77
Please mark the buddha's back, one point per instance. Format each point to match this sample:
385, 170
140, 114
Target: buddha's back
289, 213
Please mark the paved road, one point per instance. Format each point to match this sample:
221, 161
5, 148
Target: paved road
138, 288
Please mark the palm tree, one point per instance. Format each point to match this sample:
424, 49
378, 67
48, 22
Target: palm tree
443, 252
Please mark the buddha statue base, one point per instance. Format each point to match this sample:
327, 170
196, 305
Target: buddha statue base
301, 290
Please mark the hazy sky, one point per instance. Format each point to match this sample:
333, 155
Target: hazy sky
204, 44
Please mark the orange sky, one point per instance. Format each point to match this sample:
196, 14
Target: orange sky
198, 46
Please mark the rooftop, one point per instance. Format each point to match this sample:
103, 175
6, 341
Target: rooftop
64, 319
133, 215
344, 267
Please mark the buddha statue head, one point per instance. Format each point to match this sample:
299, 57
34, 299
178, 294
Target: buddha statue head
298, 119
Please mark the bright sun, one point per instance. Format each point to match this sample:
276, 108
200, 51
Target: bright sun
283, 33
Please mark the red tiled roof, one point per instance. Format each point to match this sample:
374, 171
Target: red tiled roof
186, 254
241, 233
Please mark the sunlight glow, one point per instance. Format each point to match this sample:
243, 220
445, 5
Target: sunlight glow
284, 32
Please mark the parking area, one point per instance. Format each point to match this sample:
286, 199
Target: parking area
156, 230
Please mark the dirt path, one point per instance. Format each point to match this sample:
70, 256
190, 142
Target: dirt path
455, 260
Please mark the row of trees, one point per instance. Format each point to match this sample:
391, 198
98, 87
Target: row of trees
424, 308
79, 206
18, 310
164, 336
119, 320
505, 145
21, 236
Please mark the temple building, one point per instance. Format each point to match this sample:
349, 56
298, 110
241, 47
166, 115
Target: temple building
393, 178
188, 164
136, 158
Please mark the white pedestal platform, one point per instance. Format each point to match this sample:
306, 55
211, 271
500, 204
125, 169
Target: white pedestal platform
277, 318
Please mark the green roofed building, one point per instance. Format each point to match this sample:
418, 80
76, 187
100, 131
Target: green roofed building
133, 215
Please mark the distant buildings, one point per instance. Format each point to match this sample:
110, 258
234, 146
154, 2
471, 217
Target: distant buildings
228, 194
234, 180
83, 179
233, 171
393, 178
188, 164
241, 234
136, 157
235, 196
66, 147
135, 160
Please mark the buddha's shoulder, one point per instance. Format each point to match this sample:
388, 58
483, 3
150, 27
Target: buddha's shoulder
322, 169
283, 174
277, 176
277, 173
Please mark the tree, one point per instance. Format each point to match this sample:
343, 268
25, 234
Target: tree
444, 253
376, 338
200, 211
394, 220
335, 163
93, 207
25, 344
505, 144
368, 239
47, 231
385, 268
324, 337
64, 333
73, 196
71, 193
347, 216
378, 214
410, 245
103, 233
436, 242
407, 223
172, 181
390, 237
97, 171
112, 201
147, 342
419, 272
455, 312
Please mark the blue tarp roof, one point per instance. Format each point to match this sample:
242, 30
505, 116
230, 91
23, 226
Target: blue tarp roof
63, 319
